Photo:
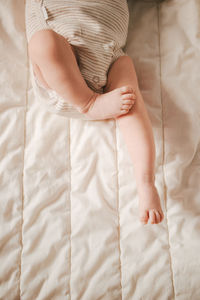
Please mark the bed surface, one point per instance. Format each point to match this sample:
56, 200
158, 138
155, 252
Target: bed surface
69, 226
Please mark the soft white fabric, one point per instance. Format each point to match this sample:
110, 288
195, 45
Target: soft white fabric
69, 226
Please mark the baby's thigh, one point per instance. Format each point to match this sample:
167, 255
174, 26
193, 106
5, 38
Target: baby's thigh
48, 46
121, 73
42, 45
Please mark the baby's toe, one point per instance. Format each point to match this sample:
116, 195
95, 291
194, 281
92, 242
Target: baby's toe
161, 216
126, 106
124, 111
126, 89
129, 96
128, 102
158, 217
144, 216
152, 216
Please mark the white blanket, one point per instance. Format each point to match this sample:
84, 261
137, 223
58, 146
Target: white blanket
69, 226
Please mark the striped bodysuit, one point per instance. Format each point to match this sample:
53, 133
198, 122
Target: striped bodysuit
97, 30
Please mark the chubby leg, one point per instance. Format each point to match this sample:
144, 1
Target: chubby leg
56, 66
138, 135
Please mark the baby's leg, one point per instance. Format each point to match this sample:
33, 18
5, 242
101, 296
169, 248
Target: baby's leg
137, 133
55, 62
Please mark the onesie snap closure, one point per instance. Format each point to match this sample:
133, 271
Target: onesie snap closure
45, 14
109, 46
95, 79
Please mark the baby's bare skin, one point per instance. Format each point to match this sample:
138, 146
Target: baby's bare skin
57, 54
137, 133
55, 66
149, 204
109, 105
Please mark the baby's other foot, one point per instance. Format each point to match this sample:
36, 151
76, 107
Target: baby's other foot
149, 205
110, 105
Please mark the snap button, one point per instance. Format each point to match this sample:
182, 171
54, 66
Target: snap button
109, 46
95, 79
45, 14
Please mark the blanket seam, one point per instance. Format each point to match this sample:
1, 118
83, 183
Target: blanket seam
69, 187
117, 196
23, 162
163, 147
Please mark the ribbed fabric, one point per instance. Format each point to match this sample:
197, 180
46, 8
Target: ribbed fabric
96, 29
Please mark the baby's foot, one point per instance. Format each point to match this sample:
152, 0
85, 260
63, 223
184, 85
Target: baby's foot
110, 105
149, 204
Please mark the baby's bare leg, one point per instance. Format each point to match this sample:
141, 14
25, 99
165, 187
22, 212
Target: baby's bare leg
54, 60
138, 135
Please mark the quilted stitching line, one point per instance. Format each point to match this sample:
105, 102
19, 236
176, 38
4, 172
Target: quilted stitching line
117, 197
23, 158
69, 199
163, 145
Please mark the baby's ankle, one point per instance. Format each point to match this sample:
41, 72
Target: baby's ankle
145, 185
146, 179
84, 109
109, 105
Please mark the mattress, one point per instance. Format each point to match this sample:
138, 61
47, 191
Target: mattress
69, 225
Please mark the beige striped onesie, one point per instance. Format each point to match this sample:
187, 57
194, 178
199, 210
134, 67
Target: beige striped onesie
97, 29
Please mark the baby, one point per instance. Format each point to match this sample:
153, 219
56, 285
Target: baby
76, 50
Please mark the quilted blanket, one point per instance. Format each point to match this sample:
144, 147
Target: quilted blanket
69, 225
